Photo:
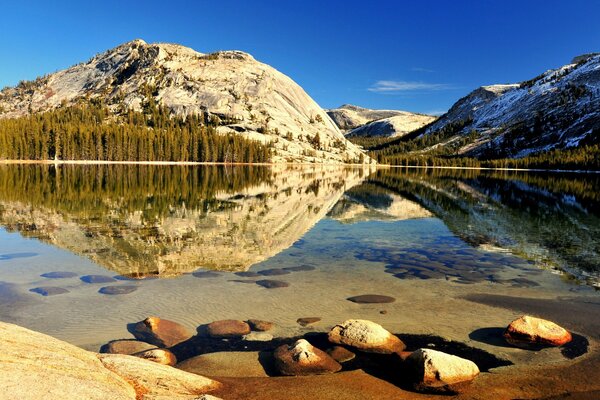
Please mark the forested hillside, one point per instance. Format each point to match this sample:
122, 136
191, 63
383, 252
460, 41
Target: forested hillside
89, 131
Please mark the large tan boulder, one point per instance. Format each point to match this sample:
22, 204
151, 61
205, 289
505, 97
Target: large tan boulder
531, 330
152, 379
161, 332
366, 336
37, 366
435, 371
302, 358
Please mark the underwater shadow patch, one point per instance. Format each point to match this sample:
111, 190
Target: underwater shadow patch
11, 256
493, 336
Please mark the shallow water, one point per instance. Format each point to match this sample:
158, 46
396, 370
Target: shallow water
111, 245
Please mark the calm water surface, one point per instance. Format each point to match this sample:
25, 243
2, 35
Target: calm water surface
84, 250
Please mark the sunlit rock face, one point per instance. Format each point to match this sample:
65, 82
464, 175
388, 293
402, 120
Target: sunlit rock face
221, 219
368, 202
246, 97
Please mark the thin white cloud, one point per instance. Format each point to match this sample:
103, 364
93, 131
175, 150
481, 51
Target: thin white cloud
420, 69
407, 86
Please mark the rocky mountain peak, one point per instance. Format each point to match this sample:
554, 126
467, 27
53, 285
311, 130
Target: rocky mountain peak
245, 96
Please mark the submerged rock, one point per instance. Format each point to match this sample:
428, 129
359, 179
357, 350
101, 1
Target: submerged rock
371, 298
248, 274
435, 371
258, 337
126, 346
260, 325
272, 284
302, 358
300, 268
160, 356
228, 328
226, 363
341, 354
528, 330
206, 274
160, 332
49, 290
305, 321
153, 379
274, 271
97, 279
366, 336
117, 290
59, 275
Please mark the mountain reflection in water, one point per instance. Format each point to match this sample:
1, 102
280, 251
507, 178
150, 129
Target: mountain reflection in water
169, 220
550, 219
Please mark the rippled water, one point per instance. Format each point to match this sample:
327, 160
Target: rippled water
84, 250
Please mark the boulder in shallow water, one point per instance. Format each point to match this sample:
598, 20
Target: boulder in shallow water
97, 279
435, 371
228, 328
528, 330
258, 337
306, 321
238, 364
59, 275
260, 325
154, 379
49, 290
302, 358
160, 332
272, 284
117, 290
159, 356
371, 299
366, 336
341, 354
126, 346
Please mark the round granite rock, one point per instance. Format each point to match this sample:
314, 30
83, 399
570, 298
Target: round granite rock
300, 268
274, 271
227, 328
206, 274
59, 275
528, 330
248, 274
302, 358
371, 299
260, 325
117, 290
272, 284
341, 354
305, 321
49, 290
97, 279
160, 332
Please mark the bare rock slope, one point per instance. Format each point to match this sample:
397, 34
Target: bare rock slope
396, 126
555, 110
245, 96
359, 121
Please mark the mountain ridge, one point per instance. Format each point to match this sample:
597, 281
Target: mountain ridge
558, 109
244, 96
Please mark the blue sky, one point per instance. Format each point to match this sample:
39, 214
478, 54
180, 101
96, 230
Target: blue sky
413, 55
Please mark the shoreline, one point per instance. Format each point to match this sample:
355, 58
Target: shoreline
272, 164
